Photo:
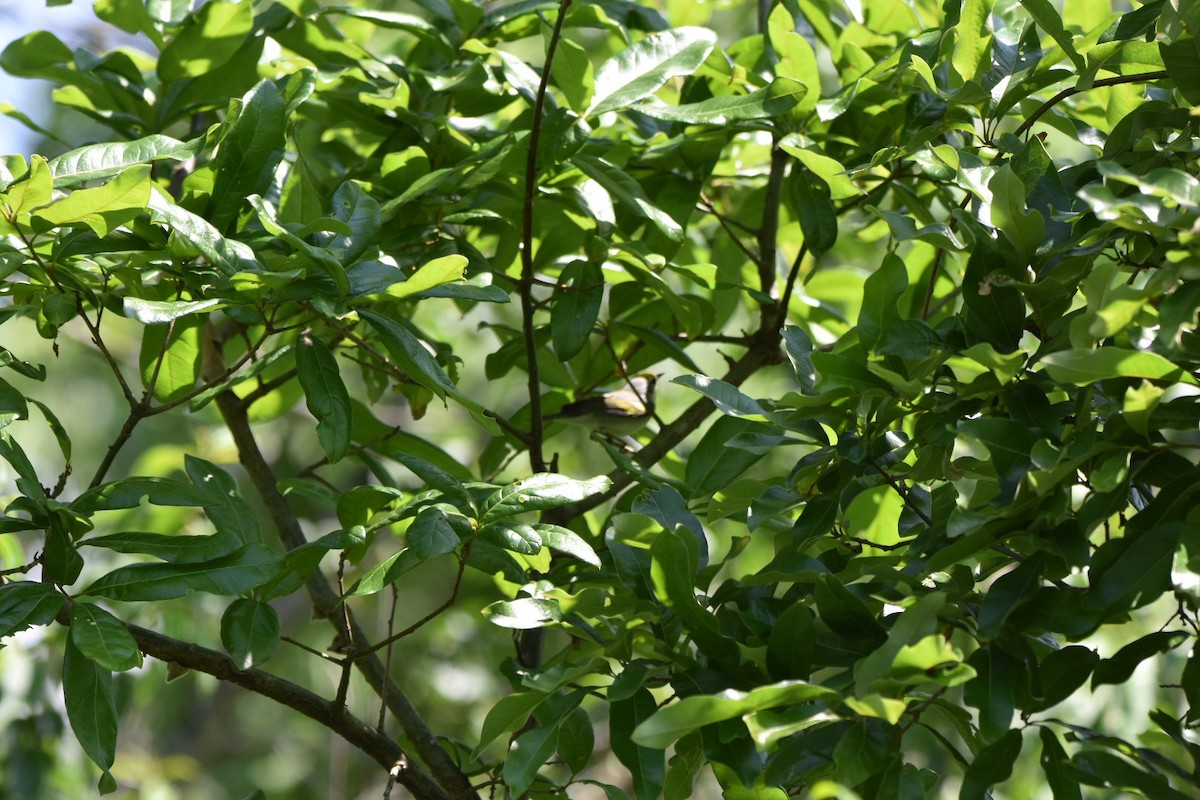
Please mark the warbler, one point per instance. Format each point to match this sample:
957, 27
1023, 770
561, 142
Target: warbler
620, 412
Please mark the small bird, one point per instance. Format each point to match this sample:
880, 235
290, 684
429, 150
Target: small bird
621, 412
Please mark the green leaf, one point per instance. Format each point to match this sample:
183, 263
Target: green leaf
91, 708
175, 548
152, 312
576, 306
859, 754
1007, 593
573, 74
418, 364
228, 575
385, 573
676, 720
1119, 668
13, 405
1060, 674
1055, 764
576, 739
227, 255
130, 16
646, 763
993, 690
249, 152
35, 372
1047, 18
1109, 769
725, 396
715, 463
438, 272
538, 493
528, 753
207, 39
564, 540
508, 715
361, 213
668, 508
673, 568
814, 207
61, 561
325, 395
1182, 60
993, 764
98, 161
128, 493
1083, 367
309, 253
103, 208
972, 43
799, 351
103, 638
431, 535
170, 358
628, 192
250, 632
778, 98
790, 648
516, 537
641, 69
844, 613
685, 765
824, 167
881, 298
1133, 571
523, 613
222, 504
396, 20
27, 480
24, 604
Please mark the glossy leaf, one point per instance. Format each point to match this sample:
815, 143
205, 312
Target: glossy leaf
671, 722
540, 492
24, 604
228, 575
103, 638
325, 395
641, 69
108, 159
250, 632
646, 763
91, 707
523, 613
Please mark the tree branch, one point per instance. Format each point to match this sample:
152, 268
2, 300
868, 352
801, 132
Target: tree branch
325, 599
373, 743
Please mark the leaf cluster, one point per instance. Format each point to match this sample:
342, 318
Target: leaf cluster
925, 280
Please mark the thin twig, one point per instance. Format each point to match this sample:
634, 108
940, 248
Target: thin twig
411, 629
387, 659
525, 286
1141, 77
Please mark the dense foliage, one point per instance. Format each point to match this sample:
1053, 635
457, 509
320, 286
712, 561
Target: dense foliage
921, 491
